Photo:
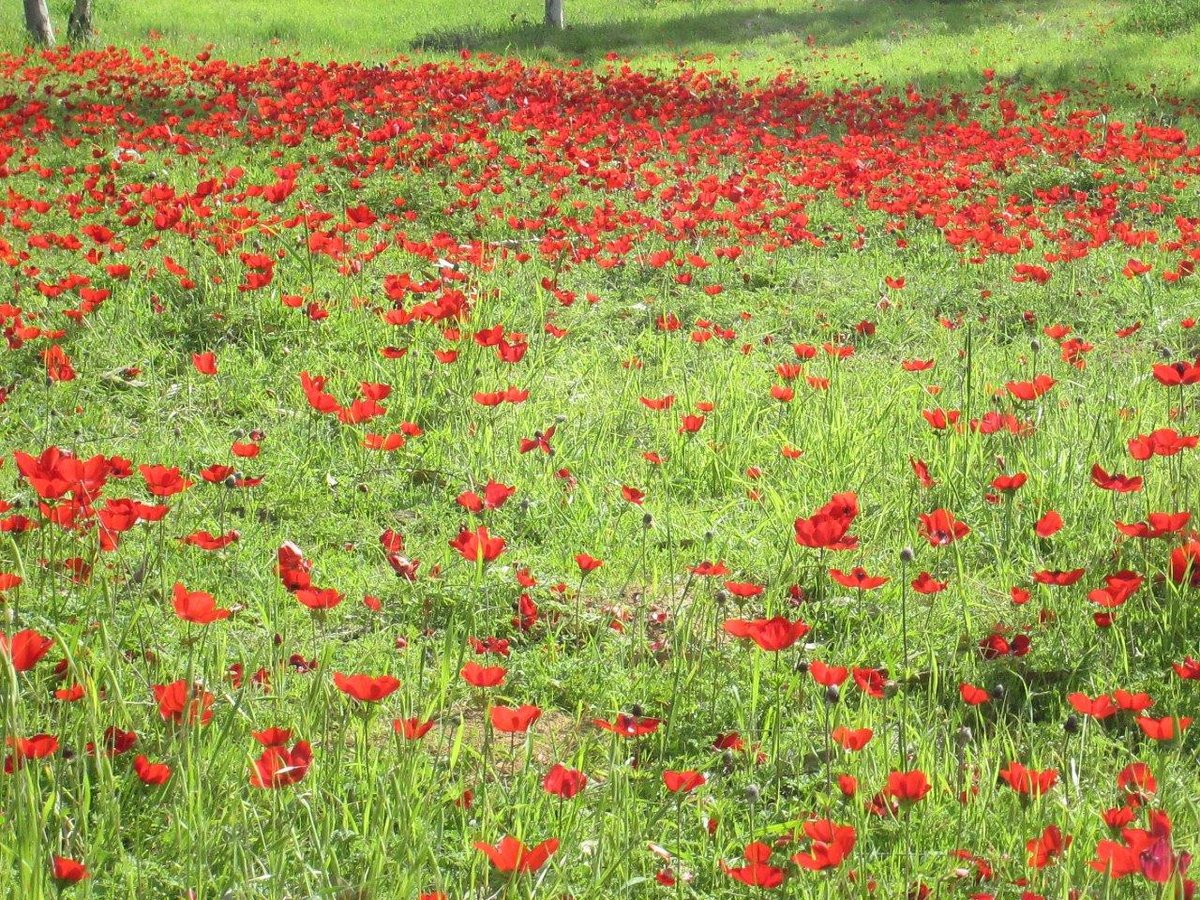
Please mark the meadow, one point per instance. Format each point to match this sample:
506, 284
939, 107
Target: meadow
658, 459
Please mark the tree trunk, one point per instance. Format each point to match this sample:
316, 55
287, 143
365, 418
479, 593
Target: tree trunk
37, 20
79, 26
554, 13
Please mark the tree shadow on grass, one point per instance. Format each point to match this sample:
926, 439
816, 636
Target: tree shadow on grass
728, 29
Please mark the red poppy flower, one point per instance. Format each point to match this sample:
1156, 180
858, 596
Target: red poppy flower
1047, 847
510, 855
280, 767
514, 720
1165, 729
830, 845
972, 695
629, 726
163, 482
68, 871
1156, 525
940, 419
115, 742
1134, 703
1185, 564
411, 729
1009, 484
1137, 781
707, 569
182, 703
1121, 484
319, 598
587, 563
857, 579
1119, 587
366, 688
758, 871
495, 495
683, 782
25, 648
564, 782
150, 772
1160, 442
827, 676
1177, 374
772, 635
927, 584
940, 528
1030, 390
272, 737
828, 528
908, 787
632, 494
37, 747
1188, 670
658, 404
498, 646
205, 363
870, 681
921, 470
483, 676
1048, 525
478, 545
852, 739
1029, 781
384, 443
197, 607
210, 542
1057, 577
1100, 707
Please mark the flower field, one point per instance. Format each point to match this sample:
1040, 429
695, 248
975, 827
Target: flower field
476, 479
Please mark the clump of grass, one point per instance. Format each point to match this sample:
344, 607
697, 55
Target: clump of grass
1161, 16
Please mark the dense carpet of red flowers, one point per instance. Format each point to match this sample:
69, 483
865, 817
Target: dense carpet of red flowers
158, 199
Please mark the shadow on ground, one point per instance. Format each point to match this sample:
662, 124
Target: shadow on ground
729, 28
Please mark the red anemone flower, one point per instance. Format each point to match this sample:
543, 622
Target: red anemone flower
908, 787
366, 688
68, 871
411, 729
683, 782
772, 635
197, 607
514, 720
857, 579
831, 844
25, 648
564, 782
483, 676
280, 767
852, 739
478, 545
758, 871
629, 726
940, 528
1032, 782
510, 855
